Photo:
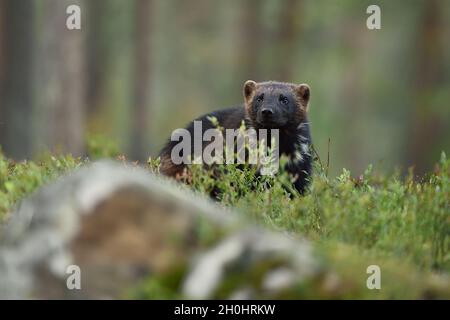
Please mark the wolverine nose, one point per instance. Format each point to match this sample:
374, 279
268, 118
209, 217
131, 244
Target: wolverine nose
266, 112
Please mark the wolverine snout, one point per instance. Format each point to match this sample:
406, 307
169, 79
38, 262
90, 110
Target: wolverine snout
267, 112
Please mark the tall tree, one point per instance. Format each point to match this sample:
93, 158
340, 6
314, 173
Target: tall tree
251, 40
142, 75
95, 53
288, 36
426, 125
16, 20
2, 49
60, 79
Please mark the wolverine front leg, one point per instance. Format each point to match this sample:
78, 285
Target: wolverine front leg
300, 171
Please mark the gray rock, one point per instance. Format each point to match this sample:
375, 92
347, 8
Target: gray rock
41, 233
242, 251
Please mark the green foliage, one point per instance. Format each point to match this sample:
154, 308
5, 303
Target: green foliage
153, 164
384, 218
400, 224
20, 179
165, 287
386, 215
101, 147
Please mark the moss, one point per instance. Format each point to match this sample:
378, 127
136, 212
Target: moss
165, 285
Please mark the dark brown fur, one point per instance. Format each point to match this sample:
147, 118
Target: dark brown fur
267, 105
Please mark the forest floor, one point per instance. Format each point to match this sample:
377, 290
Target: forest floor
399, 218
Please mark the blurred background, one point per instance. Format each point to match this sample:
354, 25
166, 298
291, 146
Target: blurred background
139, 69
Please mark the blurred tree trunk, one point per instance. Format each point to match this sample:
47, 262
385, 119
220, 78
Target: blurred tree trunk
351, 94
2, 53
61, 80
288, 37
426, 125
250, 41
2, 68
142, 67
17, 19
95, 54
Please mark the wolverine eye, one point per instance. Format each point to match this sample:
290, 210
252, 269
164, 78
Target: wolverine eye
283, 99
260, 98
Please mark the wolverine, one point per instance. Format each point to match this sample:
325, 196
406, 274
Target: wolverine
267, 105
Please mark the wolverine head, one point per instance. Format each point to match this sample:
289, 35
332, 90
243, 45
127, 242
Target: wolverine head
276, 104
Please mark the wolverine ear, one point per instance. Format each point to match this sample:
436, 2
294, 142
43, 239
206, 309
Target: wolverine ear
249, 89
303, 93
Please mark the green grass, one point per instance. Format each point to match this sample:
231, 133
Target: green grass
381, 217
20, 179
388, 216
